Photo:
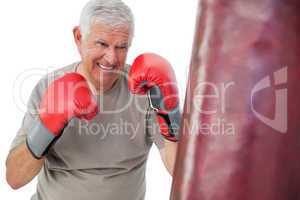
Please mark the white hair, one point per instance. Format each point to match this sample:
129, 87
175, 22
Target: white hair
114, 13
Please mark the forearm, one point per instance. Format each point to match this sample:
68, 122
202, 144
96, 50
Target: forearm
21, 167
170, 155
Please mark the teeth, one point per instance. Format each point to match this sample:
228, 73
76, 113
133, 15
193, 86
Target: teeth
104, 67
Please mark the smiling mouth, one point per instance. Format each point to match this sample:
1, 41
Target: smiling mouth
105, 67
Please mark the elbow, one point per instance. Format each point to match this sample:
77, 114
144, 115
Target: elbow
13, 181
13, 184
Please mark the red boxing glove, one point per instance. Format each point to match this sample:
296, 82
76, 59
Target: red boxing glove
153, 75
66, 97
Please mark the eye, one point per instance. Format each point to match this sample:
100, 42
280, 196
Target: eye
102, 44
122, 47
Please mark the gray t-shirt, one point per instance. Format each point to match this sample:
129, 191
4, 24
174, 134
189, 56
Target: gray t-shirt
103, 159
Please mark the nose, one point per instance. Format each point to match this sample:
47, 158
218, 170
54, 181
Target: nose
111, 56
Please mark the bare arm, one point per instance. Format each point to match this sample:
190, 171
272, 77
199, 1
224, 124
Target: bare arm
21, 166
168, 155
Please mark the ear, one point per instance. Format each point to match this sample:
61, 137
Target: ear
77, 37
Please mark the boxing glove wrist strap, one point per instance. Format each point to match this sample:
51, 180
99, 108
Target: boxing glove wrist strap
169, 120
39, 139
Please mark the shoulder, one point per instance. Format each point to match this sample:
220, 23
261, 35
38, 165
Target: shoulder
49, 77
45, 80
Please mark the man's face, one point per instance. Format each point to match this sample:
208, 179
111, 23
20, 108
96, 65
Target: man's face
103, 54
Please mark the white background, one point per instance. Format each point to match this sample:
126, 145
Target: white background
36, 36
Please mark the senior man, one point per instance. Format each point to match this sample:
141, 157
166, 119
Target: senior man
72, 135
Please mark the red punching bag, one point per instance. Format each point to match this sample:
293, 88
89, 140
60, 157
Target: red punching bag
240, 136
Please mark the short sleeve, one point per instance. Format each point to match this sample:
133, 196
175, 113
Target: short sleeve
31, 114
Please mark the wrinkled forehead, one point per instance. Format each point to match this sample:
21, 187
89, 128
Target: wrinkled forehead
117, 34
120, 31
